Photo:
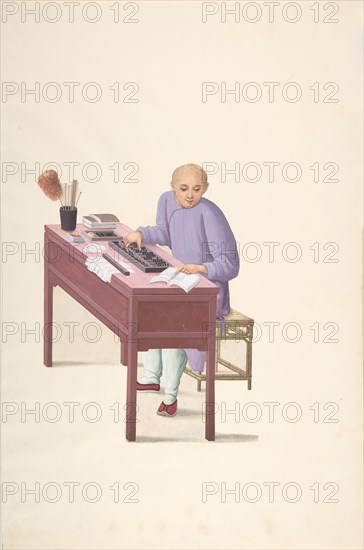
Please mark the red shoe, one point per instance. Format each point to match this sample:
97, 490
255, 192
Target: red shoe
148, 388
167, 410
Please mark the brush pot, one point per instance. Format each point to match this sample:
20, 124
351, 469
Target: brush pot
68, 217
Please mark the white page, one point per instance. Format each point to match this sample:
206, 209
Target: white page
165, 276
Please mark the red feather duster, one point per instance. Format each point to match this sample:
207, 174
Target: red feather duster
50, 185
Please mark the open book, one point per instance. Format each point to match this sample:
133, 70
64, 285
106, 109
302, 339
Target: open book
186, 282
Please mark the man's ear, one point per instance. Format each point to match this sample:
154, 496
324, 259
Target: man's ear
206, 187
172, 185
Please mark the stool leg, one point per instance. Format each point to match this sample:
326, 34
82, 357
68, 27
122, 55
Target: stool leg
198, 385
217, 355
249, 363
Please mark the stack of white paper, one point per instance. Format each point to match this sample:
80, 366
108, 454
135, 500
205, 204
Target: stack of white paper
104, 269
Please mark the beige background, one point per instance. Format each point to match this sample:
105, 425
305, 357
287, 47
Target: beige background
169, 53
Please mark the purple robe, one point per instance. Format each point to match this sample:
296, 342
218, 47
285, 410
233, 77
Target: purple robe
198, 235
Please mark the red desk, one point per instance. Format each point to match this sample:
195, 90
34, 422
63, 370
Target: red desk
143, 315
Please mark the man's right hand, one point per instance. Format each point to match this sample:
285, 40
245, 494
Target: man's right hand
134, 237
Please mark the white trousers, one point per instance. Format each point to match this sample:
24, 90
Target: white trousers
169, 362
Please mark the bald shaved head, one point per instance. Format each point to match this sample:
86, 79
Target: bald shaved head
188, 169
189, 183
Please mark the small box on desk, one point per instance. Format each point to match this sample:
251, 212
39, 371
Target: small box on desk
75, 237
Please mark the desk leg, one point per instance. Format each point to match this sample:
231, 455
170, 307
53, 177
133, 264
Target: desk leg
131, 397
48, 319
210, 392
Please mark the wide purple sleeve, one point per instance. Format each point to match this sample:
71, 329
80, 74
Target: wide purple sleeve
220, 253
158, 234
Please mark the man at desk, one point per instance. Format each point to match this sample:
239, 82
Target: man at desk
198, 234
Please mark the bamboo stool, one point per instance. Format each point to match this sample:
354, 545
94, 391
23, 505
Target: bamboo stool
235, 326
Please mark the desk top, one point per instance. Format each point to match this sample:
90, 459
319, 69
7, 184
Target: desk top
138, 280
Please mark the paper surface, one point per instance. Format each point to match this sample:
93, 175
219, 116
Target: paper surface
267, 96
186, 282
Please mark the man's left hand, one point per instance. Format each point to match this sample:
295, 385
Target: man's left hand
190, 269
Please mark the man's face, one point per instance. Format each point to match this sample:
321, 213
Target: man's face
188, 188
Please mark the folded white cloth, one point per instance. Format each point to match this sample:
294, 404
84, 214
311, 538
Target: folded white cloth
102, 268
